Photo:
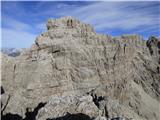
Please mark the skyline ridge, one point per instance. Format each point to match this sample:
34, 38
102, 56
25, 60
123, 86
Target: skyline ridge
114, 18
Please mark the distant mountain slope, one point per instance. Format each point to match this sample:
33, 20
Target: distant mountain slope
11, 51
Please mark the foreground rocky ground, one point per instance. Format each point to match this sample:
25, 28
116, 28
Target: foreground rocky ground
72, 73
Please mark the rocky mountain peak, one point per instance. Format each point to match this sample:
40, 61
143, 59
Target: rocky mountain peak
68, 23
75, 71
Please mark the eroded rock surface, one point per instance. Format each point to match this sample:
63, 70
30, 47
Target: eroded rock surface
71, 60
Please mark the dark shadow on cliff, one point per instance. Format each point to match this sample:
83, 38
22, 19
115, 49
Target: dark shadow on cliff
68, 116
10, 116
29, 115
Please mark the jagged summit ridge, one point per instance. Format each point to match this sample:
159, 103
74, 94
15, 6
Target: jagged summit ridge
66, 27
68, 22
114, 76
67, 31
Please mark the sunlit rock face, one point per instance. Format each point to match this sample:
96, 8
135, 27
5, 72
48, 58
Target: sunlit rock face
70, 59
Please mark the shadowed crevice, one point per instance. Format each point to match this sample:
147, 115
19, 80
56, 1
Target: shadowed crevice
10, 116
29, 115
68, 116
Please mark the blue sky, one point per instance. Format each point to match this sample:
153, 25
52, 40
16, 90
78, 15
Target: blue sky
23, 21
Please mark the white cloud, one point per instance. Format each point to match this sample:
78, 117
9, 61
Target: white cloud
104, 16
14, 24
112, 15
16, 34
17, 38
41, 26
81, 0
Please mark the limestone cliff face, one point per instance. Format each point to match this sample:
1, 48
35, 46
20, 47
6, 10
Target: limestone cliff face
71, 59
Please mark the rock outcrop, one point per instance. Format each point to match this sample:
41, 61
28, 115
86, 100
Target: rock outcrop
77, 71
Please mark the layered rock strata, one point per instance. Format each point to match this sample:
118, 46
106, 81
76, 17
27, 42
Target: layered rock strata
70, 58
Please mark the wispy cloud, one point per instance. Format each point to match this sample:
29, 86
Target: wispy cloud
104, 16
28, 19
121, 15
14, 24
17, 38
17, 34
41, 26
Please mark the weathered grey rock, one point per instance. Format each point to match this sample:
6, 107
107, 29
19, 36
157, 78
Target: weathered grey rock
60, 106
70, 59
100, 118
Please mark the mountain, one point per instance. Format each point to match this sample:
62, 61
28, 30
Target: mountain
11, 51
82, 75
